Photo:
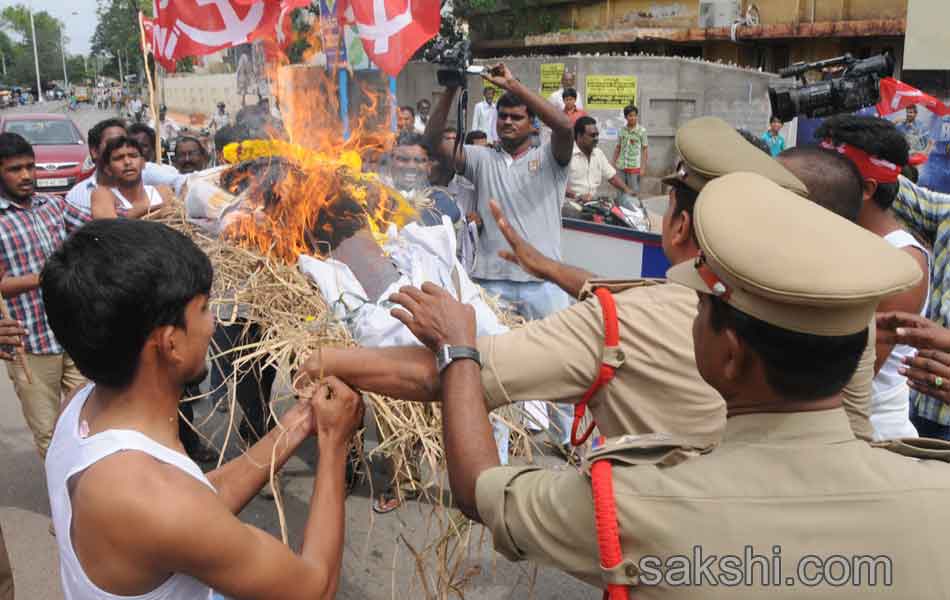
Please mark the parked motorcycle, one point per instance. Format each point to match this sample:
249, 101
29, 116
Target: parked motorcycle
625, 211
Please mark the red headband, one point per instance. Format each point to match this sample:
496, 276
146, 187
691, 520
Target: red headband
871, 167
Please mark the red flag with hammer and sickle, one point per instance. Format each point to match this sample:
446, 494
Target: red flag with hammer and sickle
897, 95
392, 30
183, 28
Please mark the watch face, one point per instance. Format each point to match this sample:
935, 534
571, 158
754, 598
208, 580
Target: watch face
442, 358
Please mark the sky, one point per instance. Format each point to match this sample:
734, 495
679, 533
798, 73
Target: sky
79, 27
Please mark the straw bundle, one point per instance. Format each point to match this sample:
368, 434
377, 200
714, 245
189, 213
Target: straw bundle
294, 321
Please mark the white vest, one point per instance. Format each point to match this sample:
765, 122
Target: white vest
890, 396
69, 454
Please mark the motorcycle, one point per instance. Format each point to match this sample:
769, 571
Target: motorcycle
627, 211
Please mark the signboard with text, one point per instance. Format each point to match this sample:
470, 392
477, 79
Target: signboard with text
551, 78
610, 92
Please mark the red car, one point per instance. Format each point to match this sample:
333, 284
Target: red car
62, 157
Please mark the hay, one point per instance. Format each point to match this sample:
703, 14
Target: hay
294, 321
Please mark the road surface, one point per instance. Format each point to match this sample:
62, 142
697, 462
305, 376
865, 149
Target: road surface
374, 543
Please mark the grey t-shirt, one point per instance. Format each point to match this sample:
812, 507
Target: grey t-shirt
530, 190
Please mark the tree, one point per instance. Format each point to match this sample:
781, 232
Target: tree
21, 68
76, 66
450, 30
117, 36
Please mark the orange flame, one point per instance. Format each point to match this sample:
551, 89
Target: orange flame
305, 195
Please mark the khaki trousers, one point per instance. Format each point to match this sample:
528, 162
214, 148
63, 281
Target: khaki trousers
6, 572
54, 376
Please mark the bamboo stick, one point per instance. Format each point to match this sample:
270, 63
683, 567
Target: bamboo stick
151, 91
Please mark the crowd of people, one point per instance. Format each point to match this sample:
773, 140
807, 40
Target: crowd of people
786, 387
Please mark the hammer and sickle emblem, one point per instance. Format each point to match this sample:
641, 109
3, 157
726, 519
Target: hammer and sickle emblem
235, 29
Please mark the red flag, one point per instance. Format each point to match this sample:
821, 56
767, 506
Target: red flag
392, 30
184, 28
897, 95
148, 27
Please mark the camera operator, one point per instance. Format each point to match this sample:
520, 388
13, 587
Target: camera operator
529, 183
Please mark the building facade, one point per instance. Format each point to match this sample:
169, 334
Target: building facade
760, 34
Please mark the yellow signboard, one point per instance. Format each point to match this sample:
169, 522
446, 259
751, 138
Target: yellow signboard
610, 91
551, 78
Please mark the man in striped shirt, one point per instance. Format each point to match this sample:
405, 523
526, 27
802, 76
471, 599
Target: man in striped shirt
927, 214
32, 226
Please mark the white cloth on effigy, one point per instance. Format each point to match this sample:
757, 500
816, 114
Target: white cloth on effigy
420, 254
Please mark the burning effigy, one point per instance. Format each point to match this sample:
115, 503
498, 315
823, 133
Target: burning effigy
307, 244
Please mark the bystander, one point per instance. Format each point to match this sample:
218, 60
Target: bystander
122, 161
422, 116
772, 138
570, 106
485, 114
405, 119
589, 166
32, 226
568, 81
190, 155
630, 153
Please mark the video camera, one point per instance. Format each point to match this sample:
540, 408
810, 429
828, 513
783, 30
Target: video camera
455, 60
856, 87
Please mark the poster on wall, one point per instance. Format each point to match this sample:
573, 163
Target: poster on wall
330, 34
551, 78
929, 134
610, 92
355, 55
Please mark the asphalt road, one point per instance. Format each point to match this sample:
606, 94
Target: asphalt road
378, 562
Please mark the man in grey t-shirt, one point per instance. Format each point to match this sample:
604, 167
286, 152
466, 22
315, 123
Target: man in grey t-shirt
529, 183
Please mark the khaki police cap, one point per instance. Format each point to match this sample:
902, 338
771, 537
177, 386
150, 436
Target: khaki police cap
710, 148
787, 261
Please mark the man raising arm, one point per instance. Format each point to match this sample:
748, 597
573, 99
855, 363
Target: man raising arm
530, 183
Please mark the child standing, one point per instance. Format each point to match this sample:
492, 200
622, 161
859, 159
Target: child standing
630, 155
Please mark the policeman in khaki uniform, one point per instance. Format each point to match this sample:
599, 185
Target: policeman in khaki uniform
656, 387
790, 504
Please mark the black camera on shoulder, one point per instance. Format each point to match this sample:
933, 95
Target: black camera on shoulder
856, 85
454, 58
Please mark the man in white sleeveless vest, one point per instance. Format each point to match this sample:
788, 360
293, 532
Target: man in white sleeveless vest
134, 516
879, 151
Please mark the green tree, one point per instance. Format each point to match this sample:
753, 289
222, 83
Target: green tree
117, 35
15, 20
76, 66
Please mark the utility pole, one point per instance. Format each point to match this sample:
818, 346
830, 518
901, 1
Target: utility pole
36, 57
62, 51
118, 56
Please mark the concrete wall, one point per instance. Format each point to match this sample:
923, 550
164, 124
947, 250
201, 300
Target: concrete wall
671, 91
193, 93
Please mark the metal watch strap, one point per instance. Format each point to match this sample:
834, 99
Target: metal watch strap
449, 354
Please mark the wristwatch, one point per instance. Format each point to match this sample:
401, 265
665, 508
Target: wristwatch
447, 354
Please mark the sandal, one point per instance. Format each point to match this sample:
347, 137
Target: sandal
386, 503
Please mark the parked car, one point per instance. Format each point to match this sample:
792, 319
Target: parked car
62, 157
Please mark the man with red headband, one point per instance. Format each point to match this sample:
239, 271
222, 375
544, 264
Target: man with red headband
880, 151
